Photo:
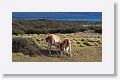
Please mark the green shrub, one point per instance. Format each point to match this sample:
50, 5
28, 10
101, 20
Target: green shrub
31, 50
17, 31
98, 30
84, 29
18, 44
51, 26
24, 45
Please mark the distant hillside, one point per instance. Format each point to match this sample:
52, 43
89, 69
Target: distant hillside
43, 26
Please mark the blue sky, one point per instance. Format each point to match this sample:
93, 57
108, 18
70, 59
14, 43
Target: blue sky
59, 15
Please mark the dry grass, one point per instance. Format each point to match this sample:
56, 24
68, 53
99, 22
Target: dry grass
86, 47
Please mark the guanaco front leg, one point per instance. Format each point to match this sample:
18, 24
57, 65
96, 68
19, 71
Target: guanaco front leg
49, 47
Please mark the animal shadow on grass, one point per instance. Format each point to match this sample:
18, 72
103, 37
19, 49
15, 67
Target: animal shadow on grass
54, 53
45, 52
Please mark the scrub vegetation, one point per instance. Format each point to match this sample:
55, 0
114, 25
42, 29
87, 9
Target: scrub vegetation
28, 44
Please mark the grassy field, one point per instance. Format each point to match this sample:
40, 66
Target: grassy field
86, 47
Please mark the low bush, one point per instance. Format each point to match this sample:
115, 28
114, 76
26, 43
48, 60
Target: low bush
17, 31
18, 44
98, 30
31, 50
52, 26
24, 45
84, 29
